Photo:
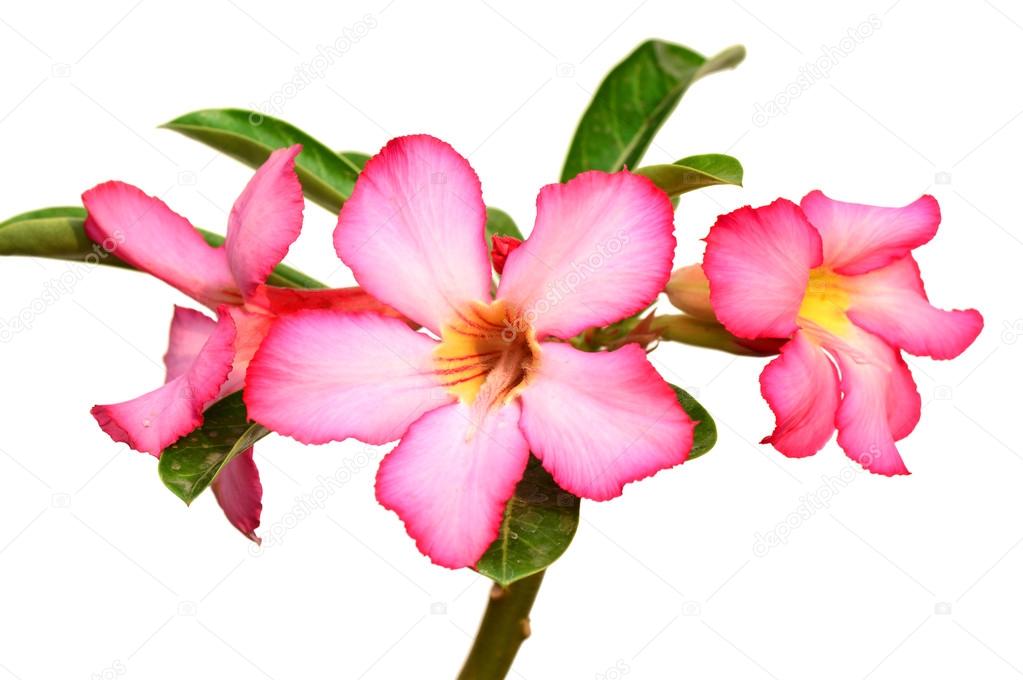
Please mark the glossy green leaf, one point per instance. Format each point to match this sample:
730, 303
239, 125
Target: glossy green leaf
53, 233
190, 465
356, 157
59, 233
694, 172
539, 523
499, 222
634, 100
706, 433
327, 177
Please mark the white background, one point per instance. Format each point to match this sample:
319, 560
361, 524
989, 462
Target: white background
104, 573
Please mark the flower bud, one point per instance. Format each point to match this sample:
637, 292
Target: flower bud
689, 290
503, 246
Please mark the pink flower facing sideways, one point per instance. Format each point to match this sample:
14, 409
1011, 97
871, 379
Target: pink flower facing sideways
839, 281
492, 380
207, 359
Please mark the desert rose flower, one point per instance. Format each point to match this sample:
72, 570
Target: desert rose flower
492, 379
839, 280
206, 358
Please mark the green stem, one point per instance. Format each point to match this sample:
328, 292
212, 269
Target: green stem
690, 330
504, 628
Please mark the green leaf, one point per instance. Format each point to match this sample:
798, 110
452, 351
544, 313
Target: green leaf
694, 172
539, 523
191, 464
634, 100
706, 433
59, 233
499, 222
357, 158
55, 233
249, 136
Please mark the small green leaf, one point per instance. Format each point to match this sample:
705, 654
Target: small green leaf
59, 233
499, 222
634, 100
249, 136
539, 523
694, 172
188, 466
706, 433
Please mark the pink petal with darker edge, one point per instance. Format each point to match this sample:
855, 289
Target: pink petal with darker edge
600, 251
323, 376
156, 420
599, 420
450, 478
758, 262
413, 230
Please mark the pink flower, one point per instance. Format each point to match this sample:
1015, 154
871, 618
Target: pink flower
492, 380
207, 359
839, 280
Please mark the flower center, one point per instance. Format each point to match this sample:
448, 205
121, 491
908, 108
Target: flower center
485, 353
825, 301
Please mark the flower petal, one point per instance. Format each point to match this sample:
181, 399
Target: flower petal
600, 250
413, 230
903, 399
801, 387
880, 403
599, 420
323, 376
450, 478
155, 420
288, 300
265, 220
240, 493
189, 331
758, 261
858, 238
891, 302
145, 233
251, 327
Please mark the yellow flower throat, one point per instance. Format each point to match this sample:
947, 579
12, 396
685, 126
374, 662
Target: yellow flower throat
485, 353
